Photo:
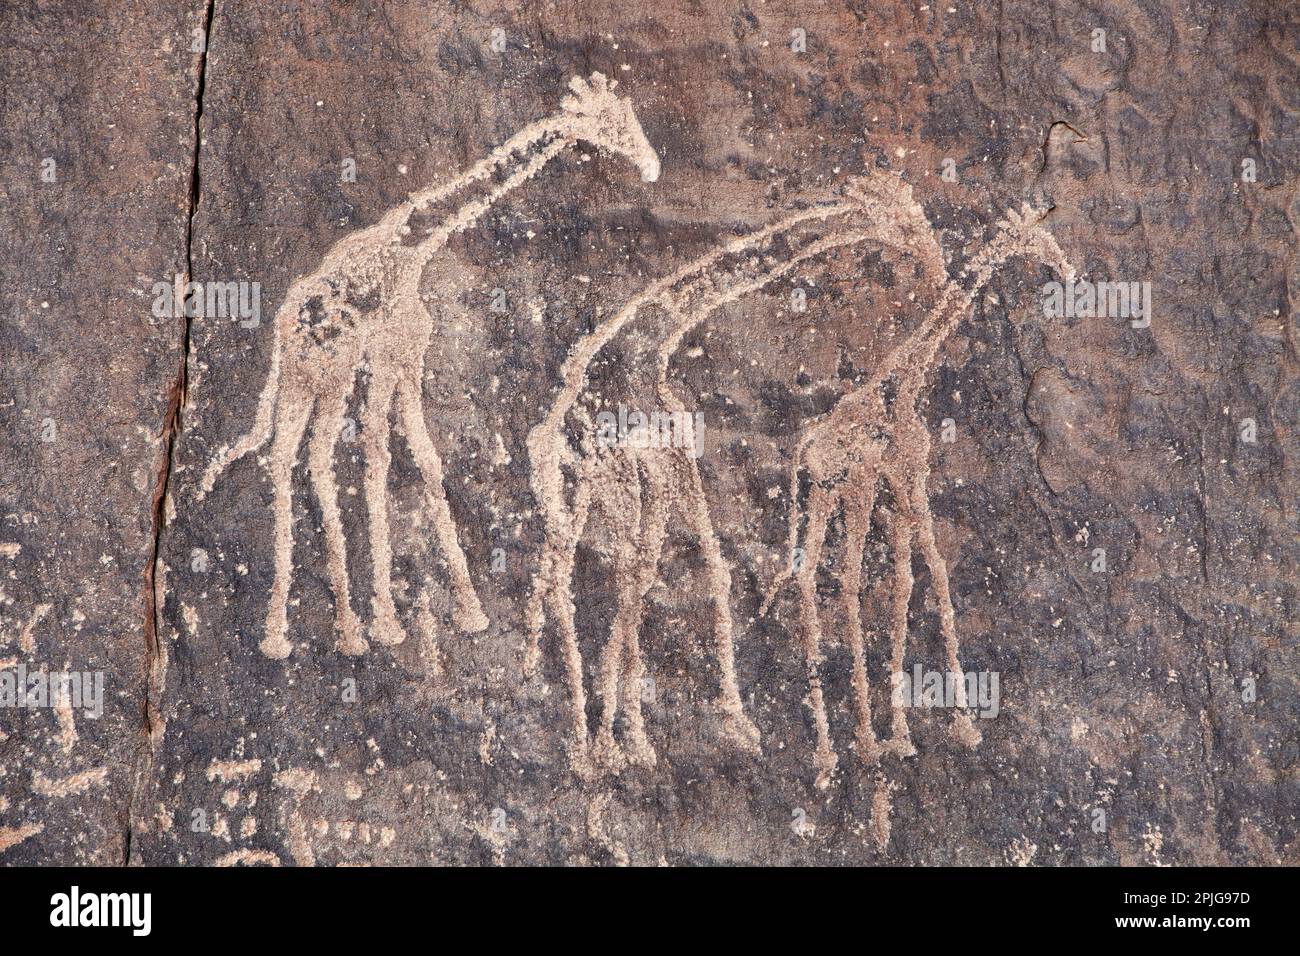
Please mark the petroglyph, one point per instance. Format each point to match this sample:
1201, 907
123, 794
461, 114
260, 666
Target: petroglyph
869, 440
882, 804
296, 780
67, 722
27, 637
229, 771
248, 858
351, 840
299, 783
69, 786
361, 309
635, 490
12, 836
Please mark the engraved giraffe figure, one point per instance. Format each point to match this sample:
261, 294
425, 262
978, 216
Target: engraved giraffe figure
362, 307
864, 441
638, 486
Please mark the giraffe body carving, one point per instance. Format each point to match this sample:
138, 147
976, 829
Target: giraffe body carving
361, 308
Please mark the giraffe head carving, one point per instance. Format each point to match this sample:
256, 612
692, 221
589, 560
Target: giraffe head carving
597, 115
886, 202
1023, 234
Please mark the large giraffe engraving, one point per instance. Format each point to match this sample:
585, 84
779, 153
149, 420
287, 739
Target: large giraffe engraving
361, 308
868, 440
644, 484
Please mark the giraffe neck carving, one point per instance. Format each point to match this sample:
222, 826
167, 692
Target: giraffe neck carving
1018, 235
511, 153
459, 204
695, 290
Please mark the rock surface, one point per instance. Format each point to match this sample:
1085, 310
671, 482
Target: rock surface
1148, 703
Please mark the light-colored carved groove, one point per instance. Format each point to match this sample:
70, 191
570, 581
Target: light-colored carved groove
27, 636
12, 836
232, 771
247, 858
77, 783
882, 805
361, 309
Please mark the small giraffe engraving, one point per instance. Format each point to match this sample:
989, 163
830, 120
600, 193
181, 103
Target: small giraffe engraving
867, 439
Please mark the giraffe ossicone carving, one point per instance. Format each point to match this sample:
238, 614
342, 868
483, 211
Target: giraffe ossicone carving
361, 309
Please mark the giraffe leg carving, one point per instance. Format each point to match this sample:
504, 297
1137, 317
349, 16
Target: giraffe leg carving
325, 433
654, 533
900, 539
638, 747
608, 754
820, 506
289, 430
857, 521
962, 727
563, 610
384, 626
627, 615
736, 725
468, 613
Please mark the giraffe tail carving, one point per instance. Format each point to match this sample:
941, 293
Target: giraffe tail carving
258, 435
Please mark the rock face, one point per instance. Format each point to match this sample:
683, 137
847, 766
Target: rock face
325, 331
